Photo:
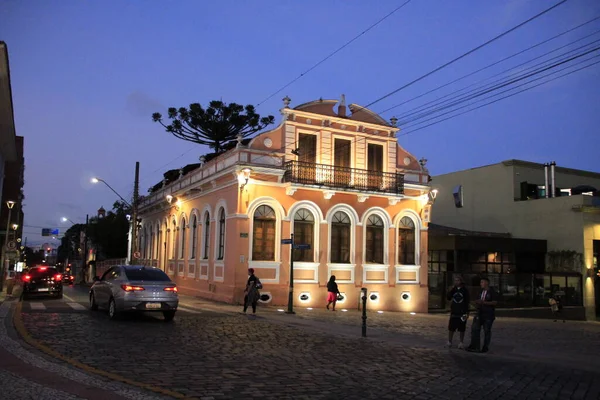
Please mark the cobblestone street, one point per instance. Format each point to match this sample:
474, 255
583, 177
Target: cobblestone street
223, 355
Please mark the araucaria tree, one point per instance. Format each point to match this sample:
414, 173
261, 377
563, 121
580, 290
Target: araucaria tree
214, 126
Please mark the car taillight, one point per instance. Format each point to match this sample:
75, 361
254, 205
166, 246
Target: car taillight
57, 277
26, 278
43, 268
171, 289
72, 277
129, 288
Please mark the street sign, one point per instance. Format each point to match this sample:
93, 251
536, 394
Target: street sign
302, 246
12, 245
243, 234
286, 241
54, 232
49, 232
12, 254
137, 254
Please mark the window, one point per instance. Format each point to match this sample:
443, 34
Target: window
304, 223
440, 261
406, 242
206, 235
340, 238
158, 239
194, 243
174, 240
146, 274
150, 256
263, 234
374, 245
221, 249
182, 240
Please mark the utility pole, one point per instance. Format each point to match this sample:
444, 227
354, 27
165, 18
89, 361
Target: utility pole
290, 309
134, 212
84, 258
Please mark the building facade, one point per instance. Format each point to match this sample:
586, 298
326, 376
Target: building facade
532, 201
338, 182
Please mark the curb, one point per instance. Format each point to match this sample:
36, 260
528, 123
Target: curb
22, 331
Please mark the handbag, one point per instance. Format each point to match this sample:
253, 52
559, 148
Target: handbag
340, 297
258, 284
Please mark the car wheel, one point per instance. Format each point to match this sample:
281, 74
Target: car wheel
112, 309
93, 304
169, 315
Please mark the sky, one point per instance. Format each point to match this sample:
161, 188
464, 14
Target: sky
87, 76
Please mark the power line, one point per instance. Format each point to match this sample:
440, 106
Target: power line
465, 54
513, 88
491, 65
498, 84
497, 100
335, 52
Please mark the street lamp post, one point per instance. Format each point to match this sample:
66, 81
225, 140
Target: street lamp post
134, 208
10, 204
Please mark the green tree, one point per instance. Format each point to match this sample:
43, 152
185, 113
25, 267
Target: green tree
214, 126
110, 234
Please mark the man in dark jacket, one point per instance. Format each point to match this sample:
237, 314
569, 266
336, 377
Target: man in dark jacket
459, 311
486, 314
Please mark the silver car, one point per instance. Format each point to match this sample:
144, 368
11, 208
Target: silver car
134, 288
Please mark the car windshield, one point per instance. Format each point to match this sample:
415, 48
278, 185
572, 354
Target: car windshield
42, 271
146, 274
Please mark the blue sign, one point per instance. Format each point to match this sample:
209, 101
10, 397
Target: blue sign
302, 246
286, 241
54, 232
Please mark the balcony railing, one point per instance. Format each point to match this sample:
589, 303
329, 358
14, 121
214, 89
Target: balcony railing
343, 177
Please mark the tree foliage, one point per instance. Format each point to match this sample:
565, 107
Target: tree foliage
215, 125
108, 235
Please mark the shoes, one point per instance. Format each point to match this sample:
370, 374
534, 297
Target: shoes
485, 350
449, 344
472, 349
461, 346
327, 306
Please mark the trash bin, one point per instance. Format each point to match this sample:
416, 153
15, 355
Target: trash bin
10, 284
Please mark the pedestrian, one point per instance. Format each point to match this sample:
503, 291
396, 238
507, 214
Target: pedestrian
252, 294
332, 292
459, 311
486, 314
556, 307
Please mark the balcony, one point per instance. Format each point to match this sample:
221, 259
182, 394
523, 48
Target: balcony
345, 178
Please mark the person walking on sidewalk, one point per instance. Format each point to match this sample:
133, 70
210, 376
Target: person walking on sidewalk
252, 294
332, 292
486, 314
556, 307
459, 311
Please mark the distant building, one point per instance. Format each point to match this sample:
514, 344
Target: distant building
526, 200
11, 162
339, 182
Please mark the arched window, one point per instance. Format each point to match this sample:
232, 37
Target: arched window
221, 244
263, 234
174, 240
304, 224
158, 239
182, 240
206, 235
374, 246
406, 241
194, 243
340, 238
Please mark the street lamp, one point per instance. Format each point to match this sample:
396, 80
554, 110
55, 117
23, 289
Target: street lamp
65, 219
10, 204
96, 180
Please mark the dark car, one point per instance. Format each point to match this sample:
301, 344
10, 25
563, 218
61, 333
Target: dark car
42, 281
68, 279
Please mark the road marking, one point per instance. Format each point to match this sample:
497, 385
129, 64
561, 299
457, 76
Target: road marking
68, 298
37, 306
76, 306
189, 310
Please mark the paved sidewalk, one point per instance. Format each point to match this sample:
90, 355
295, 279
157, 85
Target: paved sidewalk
25, 375
574, 343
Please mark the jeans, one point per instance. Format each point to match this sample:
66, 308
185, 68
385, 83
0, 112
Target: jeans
478, 323
253, 304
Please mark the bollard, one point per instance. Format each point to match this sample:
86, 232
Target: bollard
364, 312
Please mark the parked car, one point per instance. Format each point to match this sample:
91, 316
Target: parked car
130, 288
68, 279
42, 281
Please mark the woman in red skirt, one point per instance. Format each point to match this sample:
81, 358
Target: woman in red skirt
332, 292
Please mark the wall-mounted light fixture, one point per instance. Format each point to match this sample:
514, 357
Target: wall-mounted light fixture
243, 177
169, 198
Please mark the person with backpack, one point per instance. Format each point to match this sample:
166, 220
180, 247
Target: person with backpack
252, 294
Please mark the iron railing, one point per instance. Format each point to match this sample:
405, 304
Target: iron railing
306, 173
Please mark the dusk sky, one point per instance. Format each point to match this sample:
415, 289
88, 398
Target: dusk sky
87, 76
